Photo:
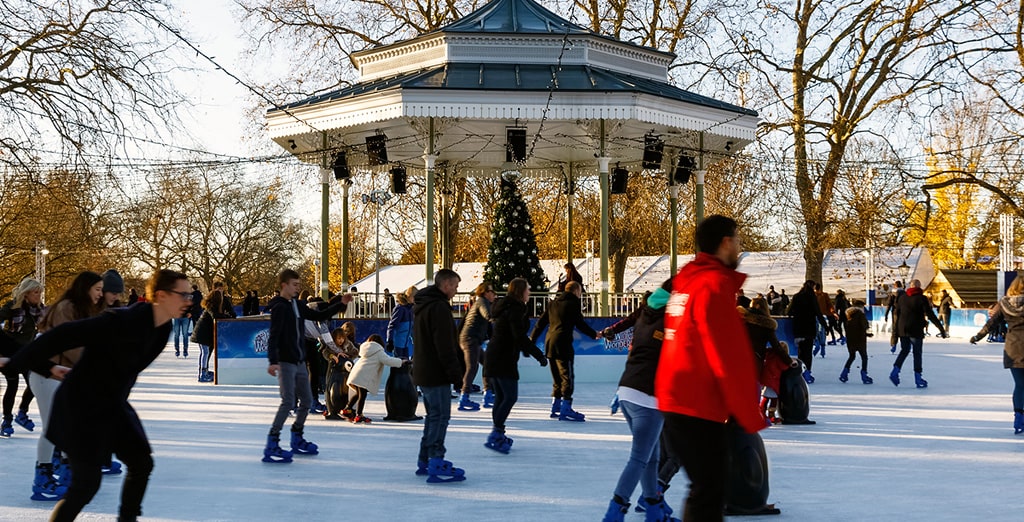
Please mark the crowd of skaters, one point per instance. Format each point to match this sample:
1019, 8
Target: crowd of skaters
679, 407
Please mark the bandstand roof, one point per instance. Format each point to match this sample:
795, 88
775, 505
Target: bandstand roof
511, 63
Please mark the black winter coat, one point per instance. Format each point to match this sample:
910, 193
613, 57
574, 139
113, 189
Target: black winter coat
912, 310
563, 315
805, 312
437, 354
203, 332
644, 354
90, 415
761, 331
511, 322
287, 342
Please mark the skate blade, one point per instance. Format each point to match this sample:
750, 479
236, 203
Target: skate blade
495, 447
277, 460
46, 497
435, 479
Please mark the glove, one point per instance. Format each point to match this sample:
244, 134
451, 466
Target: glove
543, 361
390, 347
974, 339
406, 363
607, 333
614, 404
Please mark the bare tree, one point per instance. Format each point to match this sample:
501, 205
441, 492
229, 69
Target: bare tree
79, 74
848, 64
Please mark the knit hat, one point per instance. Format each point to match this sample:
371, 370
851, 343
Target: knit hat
112, 282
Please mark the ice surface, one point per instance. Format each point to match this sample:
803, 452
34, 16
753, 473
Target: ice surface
877, 453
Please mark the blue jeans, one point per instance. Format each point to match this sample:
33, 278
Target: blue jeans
437, 400
204, 357
293, 381
506, 393
906, 345
1018, 388
645, 424
180, 332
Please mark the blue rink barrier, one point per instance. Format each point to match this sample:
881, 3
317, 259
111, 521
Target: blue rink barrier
241, 350
241, 345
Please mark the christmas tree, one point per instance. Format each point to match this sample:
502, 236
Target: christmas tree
513, 251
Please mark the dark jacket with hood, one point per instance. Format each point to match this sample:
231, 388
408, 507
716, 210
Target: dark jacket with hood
90, 415
287, 333
563, 315
1011, 310
511, 322
856, 328
436, 359
761, 330
477, 326
645, 352
912, 310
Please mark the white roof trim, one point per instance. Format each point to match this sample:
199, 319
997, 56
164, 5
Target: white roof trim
479, 105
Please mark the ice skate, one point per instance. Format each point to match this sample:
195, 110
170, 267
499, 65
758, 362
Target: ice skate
1018, 422
440, 470
44, 486
22, 420
844, 375
556, 407
919, 381
465, 404
6, 430
617, 510
894, 376
864, 378
569, 414
488, 399
273, 452
301, 446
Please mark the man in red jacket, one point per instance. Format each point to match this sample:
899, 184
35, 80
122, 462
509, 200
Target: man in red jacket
706, 373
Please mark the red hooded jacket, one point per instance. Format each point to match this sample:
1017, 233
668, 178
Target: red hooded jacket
706, 370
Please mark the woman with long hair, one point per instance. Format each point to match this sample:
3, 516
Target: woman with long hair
213, 309
82, 299
1011, 310
511, 322
20, 316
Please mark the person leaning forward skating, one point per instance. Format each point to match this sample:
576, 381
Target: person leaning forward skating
564, 314
706, 375
91, 417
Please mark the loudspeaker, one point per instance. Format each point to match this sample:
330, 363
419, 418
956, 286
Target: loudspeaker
653, 148
515, 144
341, 170
619, 178
377, 149
684, 168
398, 180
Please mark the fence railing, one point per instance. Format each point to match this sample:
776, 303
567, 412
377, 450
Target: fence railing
367, 305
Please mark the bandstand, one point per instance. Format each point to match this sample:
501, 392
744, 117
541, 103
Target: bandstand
512, 89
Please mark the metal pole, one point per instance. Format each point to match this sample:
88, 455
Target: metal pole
325, 221
701, 170
376, 261
673, 246
603, 162
344, 235
568, 215
428, 160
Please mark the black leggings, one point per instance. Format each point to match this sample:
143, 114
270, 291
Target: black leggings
87, 475
804, 351
506, 393
11, 393
563, 378
356, 399
863, 351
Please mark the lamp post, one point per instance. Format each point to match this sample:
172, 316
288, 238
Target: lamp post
41, 253
378, 198
904, 269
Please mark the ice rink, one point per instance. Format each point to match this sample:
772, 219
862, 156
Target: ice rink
877, 452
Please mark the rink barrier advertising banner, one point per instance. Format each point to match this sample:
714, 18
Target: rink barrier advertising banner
241, 345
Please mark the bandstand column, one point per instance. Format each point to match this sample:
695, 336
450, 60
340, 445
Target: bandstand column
602, 163
429, 158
